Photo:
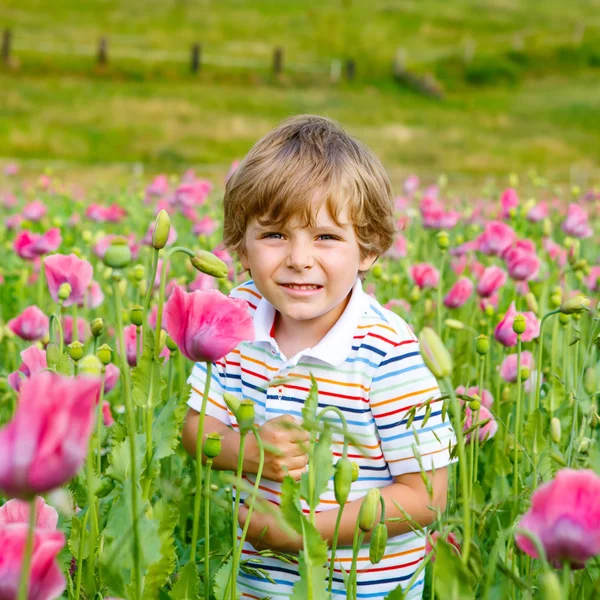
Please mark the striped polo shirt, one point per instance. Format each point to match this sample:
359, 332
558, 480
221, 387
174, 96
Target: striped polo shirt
369, 366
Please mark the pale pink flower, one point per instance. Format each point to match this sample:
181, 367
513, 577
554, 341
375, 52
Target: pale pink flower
491, 280
522, 263
492, 301
105, 214
459, 293
435, 217
424, 275
398, 305
13, 222
34, 211
30, 245
593, 279
555, 251
34, 361
192, 194
538, 213
504, 330
411, 184
485, 432
94, 296
205, 226
130, 345
565, 517
111, 377
398, 248
31, 325
496, 238
508, 368
432, 538
107, 417
576, 224
509, 200
486, 397
202, 283
207, 325
17, 511
158, 188
9, 200
465, 248
62, 268
46, 580
459, 264
47, 441
223, 254
83, 329
11, 169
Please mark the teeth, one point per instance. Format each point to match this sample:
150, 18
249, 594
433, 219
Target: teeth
302, 287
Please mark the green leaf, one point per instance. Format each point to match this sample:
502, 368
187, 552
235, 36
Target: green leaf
452, 579
312, 583
290, 504
321, 465
222, 587
145, 377
166, 428
120, 458
533, 432
187, 585
311, 404
75, 537
159, 571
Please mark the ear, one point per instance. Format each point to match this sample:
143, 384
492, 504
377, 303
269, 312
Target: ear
367, 262
243, 259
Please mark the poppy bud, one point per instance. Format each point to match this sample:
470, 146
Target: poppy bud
435, 354
519, 324
589, 380
208, 263
212, 445
564, 318
378, 543
583, 446
139, 272
443, 240
245, 415
137, 316
555, 429
367, 515
104, 353
342, 480
75, 350
97, 327
489, 310
355, 471
232, 402
531, 302
576, 304
171, 345
377, 271
118, 254
475, 403
454, 324
550, 586
64, 291
162, 227
482, 346
525, 372
415, 294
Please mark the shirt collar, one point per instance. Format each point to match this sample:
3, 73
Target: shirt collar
335, 347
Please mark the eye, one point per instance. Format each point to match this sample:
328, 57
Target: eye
273, 235
326, 237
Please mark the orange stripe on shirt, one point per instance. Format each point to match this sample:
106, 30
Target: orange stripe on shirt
374, 404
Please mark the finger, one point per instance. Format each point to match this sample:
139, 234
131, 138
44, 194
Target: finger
297, 449
296, 474
296, 462
242, 515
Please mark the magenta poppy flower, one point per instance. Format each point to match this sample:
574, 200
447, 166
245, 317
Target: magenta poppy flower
486, 397
522, 265
432, 538
425, 275
496, 238
491, 280
129, 333
17, 511
538, 213
576, 224
465, 248
411, 184
398, 249
434, 216
31, 245
565, 516
34, 361
207, 325
508, 368
83, 329
504, 330
107, 417
31, 325
593, 279
13, 222
205, 226
94, 296
34, 211
158, 187
105, 214
62, 268
485, 432
202, 283
111, 377
398, 305
509, 200
46, 580
192, 194
555, 251
223, 254
459, 293
8, 200
46, 442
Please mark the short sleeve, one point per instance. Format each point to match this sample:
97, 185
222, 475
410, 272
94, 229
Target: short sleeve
215, 406
401, 382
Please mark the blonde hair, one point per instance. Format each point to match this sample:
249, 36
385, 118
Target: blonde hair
280, 175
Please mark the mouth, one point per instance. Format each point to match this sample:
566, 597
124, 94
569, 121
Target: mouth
302, 287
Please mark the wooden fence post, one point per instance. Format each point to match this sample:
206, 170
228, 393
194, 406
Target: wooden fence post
277, 61
102, 51
6, 45
196, 58
350, 69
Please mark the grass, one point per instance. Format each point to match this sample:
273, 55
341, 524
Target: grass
518, 103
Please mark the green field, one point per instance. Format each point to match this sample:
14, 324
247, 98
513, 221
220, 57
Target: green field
520, 81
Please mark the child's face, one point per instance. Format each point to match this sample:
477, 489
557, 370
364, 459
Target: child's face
323, 261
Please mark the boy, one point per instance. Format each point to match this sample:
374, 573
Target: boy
308, 211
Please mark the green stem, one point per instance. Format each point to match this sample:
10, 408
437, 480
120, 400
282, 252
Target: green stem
336, 532
75, 335
553, 365
80, 556
539, 358
199, 440
439, 294
54, 319
476, 440
566, 584
150, 285
236, 512
356, 544
462, 465
137, 578
311, 480
518, 423
26, 566
40, 286
94, 529
207, 528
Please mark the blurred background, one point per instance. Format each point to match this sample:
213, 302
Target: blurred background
473, 90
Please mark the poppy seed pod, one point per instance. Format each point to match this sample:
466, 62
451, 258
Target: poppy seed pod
90, 365
75, 350
482, 346
118, 254
64, 291
171, 345
136, 315
519, 324
104, 353
367, 515
139, 272
355, 471
212, 445
443, 240
162, 228
97, 327
245, 415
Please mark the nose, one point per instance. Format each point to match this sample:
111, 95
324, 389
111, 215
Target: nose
300, 255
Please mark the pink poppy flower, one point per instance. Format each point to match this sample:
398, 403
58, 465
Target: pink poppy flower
31, 325
45, 182
486, 397
434, 216
504, 330
46, 442
223, 254
17, 511
8, 200
83, 329
398, 305
11, 169
111, 377
496, 238
202, 283
492, 301
459, 264
538, 213
508, 368
555, 251
158, 188
398, 248
232, 169
94, 296
411, 184
105, 214
205, 226
13, 222
565, 516
485, 432
593, 279
464, 249
576, 224
46, 580
207, 325
432, 538
522, 264
491, 280
102, 245
107, 417
130, 345
192, 194
147, 240
459, 293
30, 245
425, 275
34, 361
509, 200
62, 268
34, 211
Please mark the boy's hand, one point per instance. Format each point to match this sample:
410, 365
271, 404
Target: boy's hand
286, 448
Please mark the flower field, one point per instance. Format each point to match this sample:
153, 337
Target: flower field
107, 299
